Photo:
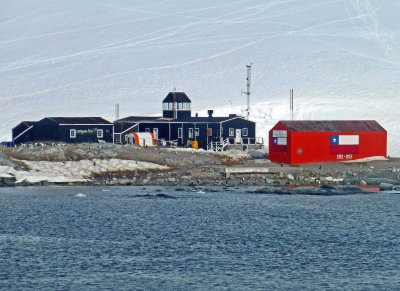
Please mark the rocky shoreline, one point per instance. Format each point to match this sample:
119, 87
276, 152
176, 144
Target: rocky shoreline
121, 165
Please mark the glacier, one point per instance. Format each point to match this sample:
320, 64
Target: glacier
79, 58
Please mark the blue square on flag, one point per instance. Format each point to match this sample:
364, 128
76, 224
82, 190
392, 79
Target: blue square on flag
334, 139
275, 140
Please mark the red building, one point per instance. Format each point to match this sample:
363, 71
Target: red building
301, 142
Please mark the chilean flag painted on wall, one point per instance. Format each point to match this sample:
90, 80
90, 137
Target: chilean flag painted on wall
345, 144
279, 140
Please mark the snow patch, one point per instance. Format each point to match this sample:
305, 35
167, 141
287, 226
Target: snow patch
73, 171
369, 159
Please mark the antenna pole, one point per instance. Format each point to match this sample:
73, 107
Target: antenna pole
248, 89
174, 104
291, 104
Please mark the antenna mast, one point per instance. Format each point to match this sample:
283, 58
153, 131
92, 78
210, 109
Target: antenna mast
248, 89
175, 107
291, 104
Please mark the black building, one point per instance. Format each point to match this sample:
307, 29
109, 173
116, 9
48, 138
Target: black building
178, 126
64, 130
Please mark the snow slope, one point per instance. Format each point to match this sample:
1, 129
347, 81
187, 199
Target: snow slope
72, 58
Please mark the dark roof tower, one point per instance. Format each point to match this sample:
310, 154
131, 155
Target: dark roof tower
176, 105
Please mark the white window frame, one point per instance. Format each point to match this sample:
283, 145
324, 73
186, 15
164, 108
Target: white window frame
196, 132
190, 133
245, 132
180, 132
101, 135
72, 133
231, 132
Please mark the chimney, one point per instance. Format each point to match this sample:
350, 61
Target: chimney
116, 111
197, 115
210, 113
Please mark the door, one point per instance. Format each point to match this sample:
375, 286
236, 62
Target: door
155, 132
238, 136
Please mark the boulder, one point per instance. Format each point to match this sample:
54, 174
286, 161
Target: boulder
327, 179
386, 186
257, 154
362, 183
396, 188
290, 177
378, 181
7, 181
270, 181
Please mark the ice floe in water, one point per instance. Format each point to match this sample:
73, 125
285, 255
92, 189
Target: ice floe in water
80, 195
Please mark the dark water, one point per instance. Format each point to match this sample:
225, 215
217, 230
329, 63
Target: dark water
162, 239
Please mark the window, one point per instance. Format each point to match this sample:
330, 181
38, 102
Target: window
126, 137
231, 132
245, 131
196, 132
179, 132
209, 131
190, 133
185, 106
99, 133
147, 130
72, 133
155, 132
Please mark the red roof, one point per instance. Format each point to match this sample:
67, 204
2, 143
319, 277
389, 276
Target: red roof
333, 125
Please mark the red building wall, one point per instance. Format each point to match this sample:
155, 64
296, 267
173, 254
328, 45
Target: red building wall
279, 155
315, 147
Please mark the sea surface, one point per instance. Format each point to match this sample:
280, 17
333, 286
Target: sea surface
171, 238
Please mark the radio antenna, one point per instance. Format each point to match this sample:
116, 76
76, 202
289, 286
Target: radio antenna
248, 79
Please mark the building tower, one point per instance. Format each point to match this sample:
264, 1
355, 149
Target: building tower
176, 105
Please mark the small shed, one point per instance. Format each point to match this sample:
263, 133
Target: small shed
316, 141
144, 139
